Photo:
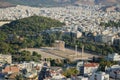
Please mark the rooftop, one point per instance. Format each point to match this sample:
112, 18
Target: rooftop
11, 69
91, 64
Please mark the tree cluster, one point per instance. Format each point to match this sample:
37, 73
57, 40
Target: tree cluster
26, 56
70, 72
27, 33
104, 63
111, 24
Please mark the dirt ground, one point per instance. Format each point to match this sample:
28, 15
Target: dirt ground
49, 52
3, 22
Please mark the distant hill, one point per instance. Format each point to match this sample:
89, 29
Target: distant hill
7, 3
4, 4
107, 2
40, 2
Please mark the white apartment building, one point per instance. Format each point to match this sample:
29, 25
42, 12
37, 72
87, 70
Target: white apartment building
99, 76
114, 71
113, 57
86, 68
57, 76
90, 68
77, 78
82, 78
5, 58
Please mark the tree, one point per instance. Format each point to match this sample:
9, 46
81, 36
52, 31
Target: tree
4, 47
58, 35
34, 53
3, 36
19, 77
104, 63
70, 71
52, 62
92, 47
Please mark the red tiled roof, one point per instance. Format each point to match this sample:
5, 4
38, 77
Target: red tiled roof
11, 69
91, 64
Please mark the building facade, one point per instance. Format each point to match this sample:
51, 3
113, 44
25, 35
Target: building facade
5, 58
59, 45
113, 57
99, 76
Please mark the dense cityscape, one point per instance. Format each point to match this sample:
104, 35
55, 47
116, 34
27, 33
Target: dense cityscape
80, 42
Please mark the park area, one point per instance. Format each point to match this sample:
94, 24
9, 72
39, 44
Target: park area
50, 52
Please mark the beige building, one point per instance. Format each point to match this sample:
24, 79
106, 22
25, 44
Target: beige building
60, 45
112, 8
5, 58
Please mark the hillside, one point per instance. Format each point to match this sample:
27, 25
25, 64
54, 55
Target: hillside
27, 32
31, 24
107, 2
4, 4
40, 2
